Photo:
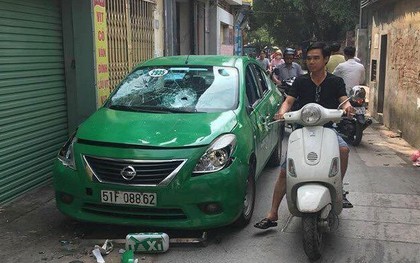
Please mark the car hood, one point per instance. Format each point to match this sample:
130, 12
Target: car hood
156, 129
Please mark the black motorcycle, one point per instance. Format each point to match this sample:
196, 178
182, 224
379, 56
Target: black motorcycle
351, 128
285, 87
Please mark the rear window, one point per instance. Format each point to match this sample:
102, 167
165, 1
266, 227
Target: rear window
178, 89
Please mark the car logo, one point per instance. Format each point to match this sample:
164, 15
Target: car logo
128, 173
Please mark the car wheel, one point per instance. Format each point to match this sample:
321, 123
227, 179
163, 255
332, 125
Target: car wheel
249, 199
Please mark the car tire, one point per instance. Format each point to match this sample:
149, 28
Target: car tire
275, 158
249, 199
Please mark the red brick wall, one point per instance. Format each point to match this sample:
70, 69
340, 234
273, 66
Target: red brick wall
401, 22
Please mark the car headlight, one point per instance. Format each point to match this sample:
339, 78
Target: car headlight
310, 115
217, 156
66, 153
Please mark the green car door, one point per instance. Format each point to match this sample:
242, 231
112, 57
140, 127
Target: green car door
270, 105
259, 98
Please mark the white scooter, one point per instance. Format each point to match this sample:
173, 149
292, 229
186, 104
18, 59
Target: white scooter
314, 184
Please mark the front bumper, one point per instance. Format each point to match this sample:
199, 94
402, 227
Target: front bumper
179, 204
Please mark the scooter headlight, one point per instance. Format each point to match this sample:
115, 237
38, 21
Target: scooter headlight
310, 115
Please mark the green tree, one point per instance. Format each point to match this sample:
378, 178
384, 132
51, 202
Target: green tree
260, 38
292, 22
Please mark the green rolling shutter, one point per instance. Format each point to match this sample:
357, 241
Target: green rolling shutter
33, 111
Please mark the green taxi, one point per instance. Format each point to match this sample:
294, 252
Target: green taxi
179, 144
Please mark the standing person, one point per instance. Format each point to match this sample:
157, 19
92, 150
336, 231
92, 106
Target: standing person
277, 60
251, 55
264, 62
320, 87
335, 58
288, 69
274, 53
352, 72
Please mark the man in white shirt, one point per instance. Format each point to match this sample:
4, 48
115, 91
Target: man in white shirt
264, 62
351, 71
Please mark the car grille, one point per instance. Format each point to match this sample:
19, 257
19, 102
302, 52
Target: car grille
146, 172
133, 212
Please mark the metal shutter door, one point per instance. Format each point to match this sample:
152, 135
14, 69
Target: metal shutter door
33, 113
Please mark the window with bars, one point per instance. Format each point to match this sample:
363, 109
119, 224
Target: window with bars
130, 36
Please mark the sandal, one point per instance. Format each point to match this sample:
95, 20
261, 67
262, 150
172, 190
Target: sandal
265, 223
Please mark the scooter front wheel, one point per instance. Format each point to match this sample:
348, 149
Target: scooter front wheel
312, 237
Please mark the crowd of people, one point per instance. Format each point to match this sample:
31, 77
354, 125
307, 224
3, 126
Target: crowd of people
282, 65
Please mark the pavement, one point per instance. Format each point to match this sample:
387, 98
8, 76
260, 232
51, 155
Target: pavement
384, 226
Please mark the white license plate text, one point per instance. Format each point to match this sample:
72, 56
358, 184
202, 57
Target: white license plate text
128, 198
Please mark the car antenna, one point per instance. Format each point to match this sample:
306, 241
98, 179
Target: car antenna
186, 60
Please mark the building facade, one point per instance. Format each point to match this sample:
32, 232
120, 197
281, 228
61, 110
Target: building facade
58, 60
204, 26
388, 42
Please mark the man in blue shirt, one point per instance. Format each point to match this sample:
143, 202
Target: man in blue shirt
288, 69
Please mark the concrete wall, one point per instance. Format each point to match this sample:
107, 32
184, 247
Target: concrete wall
400, 21
159, 29
185, 29
79, 61
212, 30
362, 46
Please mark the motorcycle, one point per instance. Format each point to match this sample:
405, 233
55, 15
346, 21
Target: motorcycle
285, 87
351, 128
314, 184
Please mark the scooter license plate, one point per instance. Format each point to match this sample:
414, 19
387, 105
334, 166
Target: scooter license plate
360, 110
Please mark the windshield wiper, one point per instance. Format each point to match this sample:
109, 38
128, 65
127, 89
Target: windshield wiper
172, 110
150, 109
121, 107
129, 108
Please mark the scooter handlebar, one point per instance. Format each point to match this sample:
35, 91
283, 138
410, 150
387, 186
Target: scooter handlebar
276, 121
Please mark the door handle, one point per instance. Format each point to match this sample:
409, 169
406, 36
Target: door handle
265, 120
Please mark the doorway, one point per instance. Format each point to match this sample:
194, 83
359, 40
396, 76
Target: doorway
382, 73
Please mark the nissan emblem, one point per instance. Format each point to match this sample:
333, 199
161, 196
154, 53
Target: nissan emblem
128, 173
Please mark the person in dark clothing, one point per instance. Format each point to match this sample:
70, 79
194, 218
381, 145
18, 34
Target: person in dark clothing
318, 86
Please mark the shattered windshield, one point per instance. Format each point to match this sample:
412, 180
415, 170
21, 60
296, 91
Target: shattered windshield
178, 89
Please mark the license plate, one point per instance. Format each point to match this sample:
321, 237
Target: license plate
360, 110
128, 198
